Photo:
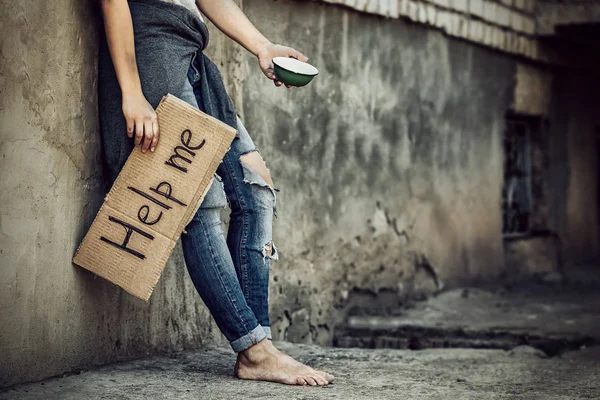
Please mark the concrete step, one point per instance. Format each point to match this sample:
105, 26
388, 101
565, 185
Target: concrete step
549, 318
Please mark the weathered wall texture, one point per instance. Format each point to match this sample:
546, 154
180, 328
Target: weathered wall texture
533, 90
389, 165
390, 162
56, 317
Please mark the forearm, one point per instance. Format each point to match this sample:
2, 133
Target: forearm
139, 115
228, 17
119, 34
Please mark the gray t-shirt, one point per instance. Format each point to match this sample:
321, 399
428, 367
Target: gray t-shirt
189, 4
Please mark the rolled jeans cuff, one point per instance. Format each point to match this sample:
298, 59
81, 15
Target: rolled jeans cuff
268, 332
251, 338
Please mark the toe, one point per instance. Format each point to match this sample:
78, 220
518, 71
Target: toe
311, 381
301, 381
320, 380
325, 376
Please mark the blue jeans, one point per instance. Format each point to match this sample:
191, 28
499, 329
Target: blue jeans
232, 274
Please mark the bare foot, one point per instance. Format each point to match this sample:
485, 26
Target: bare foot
263, 362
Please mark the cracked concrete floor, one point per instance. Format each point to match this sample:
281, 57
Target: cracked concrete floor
524, 373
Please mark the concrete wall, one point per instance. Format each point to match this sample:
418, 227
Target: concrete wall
56, 317
389, 165
390, 162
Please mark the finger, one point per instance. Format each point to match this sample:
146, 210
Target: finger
266, 66
296, 54
148, 135
278, 83
139, 132
270, 75
288, 86
130, 127
156, 135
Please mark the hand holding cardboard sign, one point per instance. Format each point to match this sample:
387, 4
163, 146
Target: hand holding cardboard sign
142, 120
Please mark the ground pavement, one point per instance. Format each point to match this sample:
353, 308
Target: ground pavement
530, 342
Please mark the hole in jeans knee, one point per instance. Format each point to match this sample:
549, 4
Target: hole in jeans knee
253, 161
270, 251
257, 173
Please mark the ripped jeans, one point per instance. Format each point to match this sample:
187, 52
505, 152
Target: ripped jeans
232, 274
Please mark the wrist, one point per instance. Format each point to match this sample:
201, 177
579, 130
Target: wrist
131, 92
131, 89
260, 46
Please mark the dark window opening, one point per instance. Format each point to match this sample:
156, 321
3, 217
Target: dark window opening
517, 199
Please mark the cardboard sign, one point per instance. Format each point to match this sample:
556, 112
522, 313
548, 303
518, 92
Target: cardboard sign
154, 197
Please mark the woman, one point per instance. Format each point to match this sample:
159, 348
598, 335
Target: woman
154, 47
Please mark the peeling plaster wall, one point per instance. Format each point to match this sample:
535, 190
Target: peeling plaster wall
389, 162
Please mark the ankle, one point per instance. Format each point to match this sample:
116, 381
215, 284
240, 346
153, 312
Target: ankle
257, 352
